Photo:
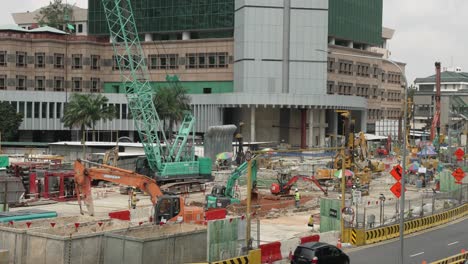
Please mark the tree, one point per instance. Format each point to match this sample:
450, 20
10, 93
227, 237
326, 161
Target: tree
84, 110
10, 121
56, 14
171, 103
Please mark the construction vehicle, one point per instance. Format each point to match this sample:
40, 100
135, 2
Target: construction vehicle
222, 196
286, 182
166, 160
167, 208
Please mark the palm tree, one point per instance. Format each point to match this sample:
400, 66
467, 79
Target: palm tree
84, 110
171, 103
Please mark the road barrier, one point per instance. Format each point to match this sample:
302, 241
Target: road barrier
457, 259
254, 256
360, 237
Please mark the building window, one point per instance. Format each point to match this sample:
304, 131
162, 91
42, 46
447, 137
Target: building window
95, 85
20, 82
330, 87
331, 65
29, 110
58, 61
80, 28
20, 59
40, 83
2, 82
3, 60
76, 84
362, 70
39, 60
163, 61
222, 60
77, 61
115, 63
206, 90
201, 60
58, 111
37, 109
95, 62
192, 61
58, 84
345, 67
43, 110
124, 111
51, 110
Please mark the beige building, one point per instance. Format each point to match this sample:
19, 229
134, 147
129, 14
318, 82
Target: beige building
377, 80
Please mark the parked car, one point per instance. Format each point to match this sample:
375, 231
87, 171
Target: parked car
318, 253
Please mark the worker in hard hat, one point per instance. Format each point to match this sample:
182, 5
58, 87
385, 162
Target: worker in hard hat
297, 197
133, 199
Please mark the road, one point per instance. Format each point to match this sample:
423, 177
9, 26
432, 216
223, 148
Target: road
429, 246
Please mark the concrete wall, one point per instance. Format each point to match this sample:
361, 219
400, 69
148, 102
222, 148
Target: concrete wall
127, 247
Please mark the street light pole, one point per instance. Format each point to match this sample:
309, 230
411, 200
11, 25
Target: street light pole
405, 114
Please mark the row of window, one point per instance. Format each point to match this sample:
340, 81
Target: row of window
173, 61
155, 62
362, 69
375, 114
362, 90
56, 109
39, 83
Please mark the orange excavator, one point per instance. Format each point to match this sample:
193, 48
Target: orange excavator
167, 208
283, 187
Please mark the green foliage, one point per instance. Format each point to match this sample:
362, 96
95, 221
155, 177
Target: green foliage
84, 110
55, 14
9, 121
171, 103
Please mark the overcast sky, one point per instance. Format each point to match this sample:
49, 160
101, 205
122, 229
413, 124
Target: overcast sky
426, 30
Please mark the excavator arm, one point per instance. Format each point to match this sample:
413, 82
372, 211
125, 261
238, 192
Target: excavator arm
83, 177
287, 187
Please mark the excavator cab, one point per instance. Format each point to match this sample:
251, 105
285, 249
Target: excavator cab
167, 208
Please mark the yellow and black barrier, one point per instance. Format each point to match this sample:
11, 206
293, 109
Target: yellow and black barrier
361, 237
457, 259
255, 256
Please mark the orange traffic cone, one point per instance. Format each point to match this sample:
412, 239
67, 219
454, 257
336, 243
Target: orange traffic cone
338, 245
424, 262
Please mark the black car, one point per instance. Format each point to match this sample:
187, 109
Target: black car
318, 253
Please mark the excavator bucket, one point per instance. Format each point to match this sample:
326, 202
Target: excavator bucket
83, 188
254, 195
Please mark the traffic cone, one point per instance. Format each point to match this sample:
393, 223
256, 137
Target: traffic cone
424, 262
338, 245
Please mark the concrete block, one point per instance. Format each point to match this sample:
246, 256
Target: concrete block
4, 256
171, 243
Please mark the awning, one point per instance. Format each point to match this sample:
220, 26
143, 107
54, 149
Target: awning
370, 137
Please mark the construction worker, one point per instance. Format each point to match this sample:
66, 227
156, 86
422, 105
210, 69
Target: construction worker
297, 197
311, 221
133, 199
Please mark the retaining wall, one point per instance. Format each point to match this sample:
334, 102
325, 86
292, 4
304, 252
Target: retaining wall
13, 235
69, 244
167, 244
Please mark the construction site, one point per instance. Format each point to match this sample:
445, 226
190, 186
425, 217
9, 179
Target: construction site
173, 198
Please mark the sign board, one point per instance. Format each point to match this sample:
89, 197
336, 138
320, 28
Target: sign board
357, 197
333, 213
458, 174
396, 189
248, 156
422, 170
396, 172
460, 154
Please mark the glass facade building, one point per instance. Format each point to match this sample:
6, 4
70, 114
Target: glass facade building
172, 16
356, 20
